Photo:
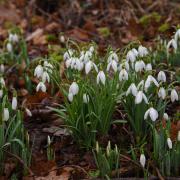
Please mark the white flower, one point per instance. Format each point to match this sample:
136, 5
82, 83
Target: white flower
148, 82
131, 56
113, 65
174, 95
14, 103
2, 68
89, 65
74, 88
2, 81
132, 89
169, 143
41, 86
1, 93
101, 77
165, 116
139, 97
48, 66
45, 77
85, 98
70, 97
139, 66
113, 56
28, 112
68, 62
142, 160
161, 76
135, 52
148, 67
68, 54
123, 75
177, 35
48, 140
152, 113
62, 39
5, 114
91, 49
87, 56
79, 65
142, 51
124, 65
13, 38
178, 137
38, 72
162, 93
172, 43
9, 47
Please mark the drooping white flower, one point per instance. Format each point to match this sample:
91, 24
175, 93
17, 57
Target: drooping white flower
123, 75
161, 76
28, 112
139, 66
177, 35
178, 137
113, 65
6, 114
74, 88
85, 98
139, 97
148, 67
14, 103
68, 62
41, 86
101, 77
142, 160
172, 43
1, 93
152, 113
165, 116
13, 38
9, 47
70, 97
131, 56
148, 82
48, 65
38, 72
113, 56
89, 65
45, 77
87, 56
68, 54
91, 49
2, 68
169, 143
162, 93
2, 81
135, 52
142, 51
132, 90
48, 140
174, 95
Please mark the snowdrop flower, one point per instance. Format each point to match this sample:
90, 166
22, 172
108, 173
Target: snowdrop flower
48, 65
123, 75
172, 43
91, 49
139, 66
48, 140
89, 65
178, 137
140, 85
142, 160
79, 65
5, 114
139, 97
113, 65
174, 95
2, 68
132, 90
68, 54
135, 52
13, 38
62, 39
161, 76
101, 77
9, 47
169, 143
142, 51
70, 97
68, 62
131, 56
148, 82
1, 93
162, 93
113, 56
165, 116
2, 81
74, 88
148, 67
152, 113
45, 77
177, 35
28, 112
41, 86
85, 98
87, 56
38, 72
14, 103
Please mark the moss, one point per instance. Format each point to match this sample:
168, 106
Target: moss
104, 31
51, 37
164, 27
